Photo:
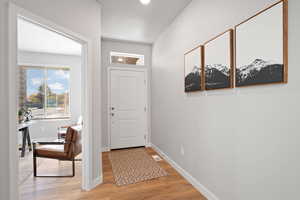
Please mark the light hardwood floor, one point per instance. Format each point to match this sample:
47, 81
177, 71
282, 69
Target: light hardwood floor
171, 187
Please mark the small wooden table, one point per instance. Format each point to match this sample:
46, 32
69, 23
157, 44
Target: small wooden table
24, 128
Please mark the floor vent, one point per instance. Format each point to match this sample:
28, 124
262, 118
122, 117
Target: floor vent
156, 158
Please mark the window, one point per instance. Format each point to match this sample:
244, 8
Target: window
126, 58
45, 91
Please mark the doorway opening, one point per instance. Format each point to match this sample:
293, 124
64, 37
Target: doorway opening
49, 106
46, 101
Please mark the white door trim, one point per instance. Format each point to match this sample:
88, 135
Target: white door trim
134, 69
86, 73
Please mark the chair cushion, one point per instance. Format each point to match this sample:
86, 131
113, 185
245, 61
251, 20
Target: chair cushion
51, 151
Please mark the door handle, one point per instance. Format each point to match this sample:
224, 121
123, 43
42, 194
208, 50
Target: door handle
112, 114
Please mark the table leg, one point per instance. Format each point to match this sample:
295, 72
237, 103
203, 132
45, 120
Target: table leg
28, 139
24, 135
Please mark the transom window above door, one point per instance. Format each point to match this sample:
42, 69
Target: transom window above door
127, 58
45, 91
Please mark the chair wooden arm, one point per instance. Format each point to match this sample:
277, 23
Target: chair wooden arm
49, 143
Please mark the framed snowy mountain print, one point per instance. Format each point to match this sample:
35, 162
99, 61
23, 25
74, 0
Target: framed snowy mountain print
218, 61
193, 70
261, 47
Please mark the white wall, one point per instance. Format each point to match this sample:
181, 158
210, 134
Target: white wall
83, 17
241, 144
48, 128
123, 47
4, 158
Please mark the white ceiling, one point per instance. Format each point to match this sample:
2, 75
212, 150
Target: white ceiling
132, 21
34, 38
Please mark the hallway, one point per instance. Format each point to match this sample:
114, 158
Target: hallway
171, 187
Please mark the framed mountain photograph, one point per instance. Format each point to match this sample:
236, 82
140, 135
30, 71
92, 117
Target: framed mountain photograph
218, 61
261, 47
193, 70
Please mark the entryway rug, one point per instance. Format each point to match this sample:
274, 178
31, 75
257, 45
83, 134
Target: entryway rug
134, 165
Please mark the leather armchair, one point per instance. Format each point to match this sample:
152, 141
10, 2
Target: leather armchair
65, 151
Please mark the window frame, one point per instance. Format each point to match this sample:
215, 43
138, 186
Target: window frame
45, 78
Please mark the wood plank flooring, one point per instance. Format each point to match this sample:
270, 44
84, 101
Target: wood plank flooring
171, 187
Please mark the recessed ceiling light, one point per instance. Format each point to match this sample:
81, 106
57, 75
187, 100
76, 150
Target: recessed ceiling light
145, 2
120, 59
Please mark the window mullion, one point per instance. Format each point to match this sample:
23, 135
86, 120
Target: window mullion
45, 91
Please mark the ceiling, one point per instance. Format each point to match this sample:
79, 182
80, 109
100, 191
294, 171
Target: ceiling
130, 20
34, 38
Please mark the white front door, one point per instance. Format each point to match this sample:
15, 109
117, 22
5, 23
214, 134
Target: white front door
127, 110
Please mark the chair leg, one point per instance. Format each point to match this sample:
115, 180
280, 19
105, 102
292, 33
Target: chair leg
35, 171
73, 166
34, 162
34, 166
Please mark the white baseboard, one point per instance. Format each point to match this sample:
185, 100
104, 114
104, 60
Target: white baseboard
105, 149
203, 190
148, 145
95, 183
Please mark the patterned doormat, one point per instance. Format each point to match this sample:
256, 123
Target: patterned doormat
134, 165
